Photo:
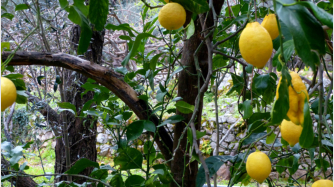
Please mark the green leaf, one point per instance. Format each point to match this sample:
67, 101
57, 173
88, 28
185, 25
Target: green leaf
80, 165
134, 180
325, 164
149, 126
135, 46
279, 166
98, 12
307, 33
124, 27
117, 181
8, 16
22, 97
165, 178
21, 7
63, 3
184, 107
218, 61
68, 106
129, 158
190, 29
99, 173
148, 145
253, 137
238, 84
194, 6
80, 4
78, 17
7, 177
153, 61
261, 82
323, 16
134, 130
172, 119
281, 105
306, 138
213, 163
247, 108
271, 138
288, 49
39, 78
4, 46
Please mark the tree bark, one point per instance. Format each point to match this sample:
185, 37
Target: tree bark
188, 89
81, 133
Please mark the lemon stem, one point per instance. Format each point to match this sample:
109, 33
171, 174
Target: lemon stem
255, 10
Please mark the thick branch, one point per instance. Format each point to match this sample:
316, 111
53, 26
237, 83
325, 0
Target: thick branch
106, 77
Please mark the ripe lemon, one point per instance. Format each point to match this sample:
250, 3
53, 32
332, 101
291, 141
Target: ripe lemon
323, 183
290, 132
8, 93
258, 166
255, 45
270, 24
296, 100
172, 16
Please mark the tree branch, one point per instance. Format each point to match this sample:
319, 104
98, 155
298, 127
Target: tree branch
106, 77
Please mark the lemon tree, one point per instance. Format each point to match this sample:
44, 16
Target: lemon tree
251, 83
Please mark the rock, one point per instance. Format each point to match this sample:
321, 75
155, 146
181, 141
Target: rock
214, 137
53, 144
213, 145
102, 138
231, 120
48, 135
99, 129
224, 145
104, 150
226, 152
110, 137
228, 100
230, 138
206, 137
224, 172
45, 144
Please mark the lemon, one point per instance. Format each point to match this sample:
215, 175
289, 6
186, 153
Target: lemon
167, 1
258, 166
291, 132
8, 93
296, 100
323, 183
270, 24
255, 45
172, 16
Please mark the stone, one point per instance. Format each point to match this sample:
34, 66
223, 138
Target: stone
214, 137
102, 138
48, 135
230, 138
45, 144
99, 129
53, 144
224, 172
231, 120
226, 152
104, 150
224, 145
213, 145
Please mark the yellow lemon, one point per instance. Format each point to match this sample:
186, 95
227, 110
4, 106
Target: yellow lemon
290, 132
255, 45
258, 166
167, 1
323, 183
8, 93
296, 98
270, 24
172, 16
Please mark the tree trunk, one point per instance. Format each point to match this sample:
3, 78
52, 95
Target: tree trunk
17, 181
188, 90
81, 132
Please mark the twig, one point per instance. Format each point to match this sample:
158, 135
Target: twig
231, 57
315, 87
149, 6
232, 35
